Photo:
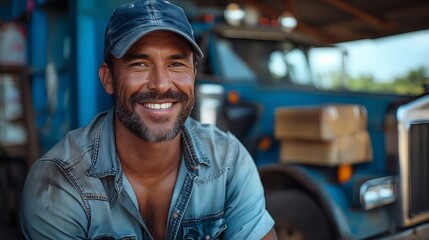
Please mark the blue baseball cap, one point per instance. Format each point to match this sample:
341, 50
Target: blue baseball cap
132, 21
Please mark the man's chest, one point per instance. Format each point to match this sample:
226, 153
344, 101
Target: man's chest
153, 208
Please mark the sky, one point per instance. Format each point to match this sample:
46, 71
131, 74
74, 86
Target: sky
390, 57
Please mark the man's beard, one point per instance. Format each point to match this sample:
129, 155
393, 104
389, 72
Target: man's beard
132, 121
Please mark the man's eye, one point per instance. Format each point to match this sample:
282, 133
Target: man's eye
177, 64
139, 64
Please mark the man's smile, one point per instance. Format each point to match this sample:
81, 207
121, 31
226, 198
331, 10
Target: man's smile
158, 106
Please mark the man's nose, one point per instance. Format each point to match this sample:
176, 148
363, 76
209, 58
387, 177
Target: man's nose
160, 80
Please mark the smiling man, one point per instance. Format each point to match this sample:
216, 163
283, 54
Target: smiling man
145, 169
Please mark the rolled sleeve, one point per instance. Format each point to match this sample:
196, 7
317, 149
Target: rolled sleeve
245, 213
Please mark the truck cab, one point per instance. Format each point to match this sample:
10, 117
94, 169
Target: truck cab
249, 73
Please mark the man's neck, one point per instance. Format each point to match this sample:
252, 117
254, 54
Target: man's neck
147, 159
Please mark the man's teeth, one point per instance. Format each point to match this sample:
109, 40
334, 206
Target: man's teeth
157, 106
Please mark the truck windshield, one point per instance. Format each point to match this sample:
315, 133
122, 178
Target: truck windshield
263, 61
395, 64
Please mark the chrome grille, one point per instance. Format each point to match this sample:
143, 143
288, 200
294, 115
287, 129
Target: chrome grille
413, 155
419, 169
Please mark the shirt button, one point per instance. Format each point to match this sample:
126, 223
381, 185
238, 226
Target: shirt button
207, 237
176, 214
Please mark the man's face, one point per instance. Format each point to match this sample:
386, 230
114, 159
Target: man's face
154, 86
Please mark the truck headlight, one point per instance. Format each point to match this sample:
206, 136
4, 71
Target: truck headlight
377, 192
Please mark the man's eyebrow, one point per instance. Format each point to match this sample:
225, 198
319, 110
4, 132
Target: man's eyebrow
178, 56
129, 57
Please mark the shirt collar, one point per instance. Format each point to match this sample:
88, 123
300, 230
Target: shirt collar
105, 161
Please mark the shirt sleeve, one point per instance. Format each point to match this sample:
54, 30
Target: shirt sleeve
245, 213
51, 206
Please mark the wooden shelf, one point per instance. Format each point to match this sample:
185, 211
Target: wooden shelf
30, 149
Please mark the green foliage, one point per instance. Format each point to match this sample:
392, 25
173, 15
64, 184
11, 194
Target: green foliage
410, 83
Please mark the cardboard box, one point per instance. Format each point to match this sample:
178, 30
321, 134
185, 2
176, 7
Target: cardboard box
324, 122
354, 148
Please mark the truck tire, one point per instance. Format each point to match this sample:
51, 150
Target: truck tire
297, 216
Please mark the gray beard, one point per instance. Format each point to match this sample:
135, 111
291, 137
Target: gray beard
131, 120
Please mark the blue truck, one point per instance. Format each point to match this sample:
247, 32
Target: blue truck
249, 73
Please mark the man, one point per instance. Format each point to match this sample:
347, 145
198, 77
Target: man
145, 170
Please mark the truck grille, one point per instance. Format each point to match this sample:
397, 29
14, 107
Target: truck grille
407, 139
419, 169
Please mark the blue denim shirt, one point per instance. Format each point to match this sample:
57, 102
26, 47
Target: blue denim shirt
78, 191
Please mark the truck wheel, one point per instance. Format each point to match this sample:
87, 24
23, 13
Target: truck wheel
297, 216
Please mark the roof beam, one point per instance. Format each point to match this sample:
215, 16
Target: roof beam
316, 34
374, 22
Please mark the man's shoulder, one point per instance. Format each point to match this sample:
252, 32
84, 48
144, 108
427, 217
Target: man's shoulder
199, 129
76, 144
213, 145
210, 136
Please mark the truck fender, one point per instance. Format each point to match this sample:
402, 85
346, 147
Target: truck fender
282, 176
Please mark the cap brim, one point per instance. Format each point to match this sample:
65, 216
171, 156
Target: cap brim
120, 48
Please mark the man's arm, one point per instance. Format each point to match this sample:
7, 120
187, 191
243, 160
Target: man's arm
271, 235
245, 213
51, 207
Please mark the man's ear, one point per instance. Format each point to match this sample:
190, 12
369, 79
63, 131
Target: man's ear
106, 78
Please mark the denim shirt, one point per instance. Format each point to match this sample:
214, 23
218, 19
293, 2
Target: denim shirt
78, 191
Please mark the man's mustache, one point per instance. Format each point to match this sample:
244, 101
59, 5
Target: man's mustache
141, 97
